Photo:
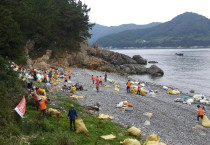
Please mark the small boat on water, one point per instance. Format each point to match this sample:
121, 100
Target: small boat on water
180, 54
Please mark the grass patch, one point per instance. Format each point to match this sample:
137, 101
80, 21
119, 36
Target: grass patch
47, 130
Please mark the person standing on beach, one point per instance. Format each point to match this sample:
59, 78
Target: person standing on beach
66, 79
45, 77
69, 75
139, 89
97, 79
100, 81
93, 78
128, 86
97, 86
72, 115
200, 113
105, 77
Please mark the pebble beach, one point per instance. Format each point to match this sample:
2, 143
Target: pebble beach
172, 121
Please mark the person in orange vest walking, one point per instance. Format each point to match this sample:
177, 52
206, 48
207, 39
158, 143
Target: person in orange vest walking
43, 106
97, 86
69, 75
100, 81
97, 79
45, 77
200, 112
128, 86
66, 79
93, 78
139, 89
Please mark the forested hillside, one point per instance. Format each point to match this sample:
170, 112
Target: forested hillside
55, 24
99, 31
188, 29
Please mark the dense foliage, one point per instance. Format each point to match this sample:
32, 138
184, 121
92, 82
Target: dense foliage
12, 91
188, 29
59, 24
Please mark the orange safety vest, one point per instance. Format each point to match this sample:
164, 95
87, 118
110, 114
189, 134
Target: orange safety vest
45, 76
51, 78
31, 69
139, 87
66, 78
97, 84
128, 84
97, 79
100, 79
69, 74
36, 98
93, 78
200, 111
42, 105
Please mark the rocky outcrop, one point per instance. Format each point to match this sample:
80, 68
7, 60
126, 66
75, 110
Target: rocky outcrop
97, 59
155, 71
139, 59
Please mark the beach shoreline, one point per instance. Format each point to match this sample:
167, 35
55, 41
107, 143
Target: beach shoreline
172, 121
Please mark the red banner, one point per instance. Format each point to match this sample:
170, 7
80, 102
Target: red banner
21, 107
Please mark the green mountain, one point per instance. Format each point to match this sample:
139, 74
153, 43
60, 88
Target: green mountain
99, 31
186, 30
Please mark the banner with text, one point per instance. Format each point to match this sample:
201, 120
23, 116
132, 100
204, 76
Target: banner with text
21, 107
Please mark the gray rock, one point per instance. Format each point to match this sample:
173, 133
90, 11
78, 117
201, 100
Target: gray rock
139, 59
155, 71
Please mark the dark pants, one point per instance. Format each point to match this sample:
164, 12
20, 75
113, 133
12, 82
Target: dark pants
37, 105
138, 92
105, 79
93, 81
43, 112
34, 77
100, 82
97, 88
200, 116
69, 77
72, 121
128, 89
45, 80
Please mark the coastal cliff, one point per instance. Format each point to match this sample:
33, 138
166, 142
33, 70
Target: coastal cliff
97, 59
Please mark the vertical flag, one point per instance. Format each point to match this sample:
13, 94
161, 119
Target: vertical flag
21, 107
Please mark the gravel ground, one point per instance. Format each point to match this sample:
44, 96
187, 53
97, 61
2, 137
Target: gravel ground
172, 121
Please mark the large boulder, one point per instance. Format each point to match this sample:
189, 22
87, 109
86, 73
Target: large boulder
155, 71
133, 69
139, 59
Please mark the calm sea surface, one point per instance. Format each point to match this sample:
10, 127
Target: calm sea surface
188, 72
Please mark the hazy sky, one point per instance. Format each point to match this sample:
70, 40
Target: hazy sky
117, 12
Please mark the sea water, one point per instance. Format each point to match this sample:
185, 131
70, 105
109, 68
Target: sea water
188, 72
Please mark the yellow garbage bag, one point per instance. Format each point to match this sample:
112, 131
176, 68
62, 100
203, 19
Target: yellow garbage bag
80, 126
73, 89
173, 92
205, 121
55, 76
113, 82
103, 116
116, 88
108, 137
39, 80
75, 96
54, 113
59, 81
42, 97
152, 139
107, 86
130, 141
134, 131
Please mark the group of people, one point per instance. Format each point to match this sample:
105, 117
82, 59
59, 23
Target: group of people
128, 84
99, 80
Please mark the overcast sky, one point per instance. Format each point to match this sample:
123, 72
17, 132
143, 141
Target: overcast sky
117, 12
